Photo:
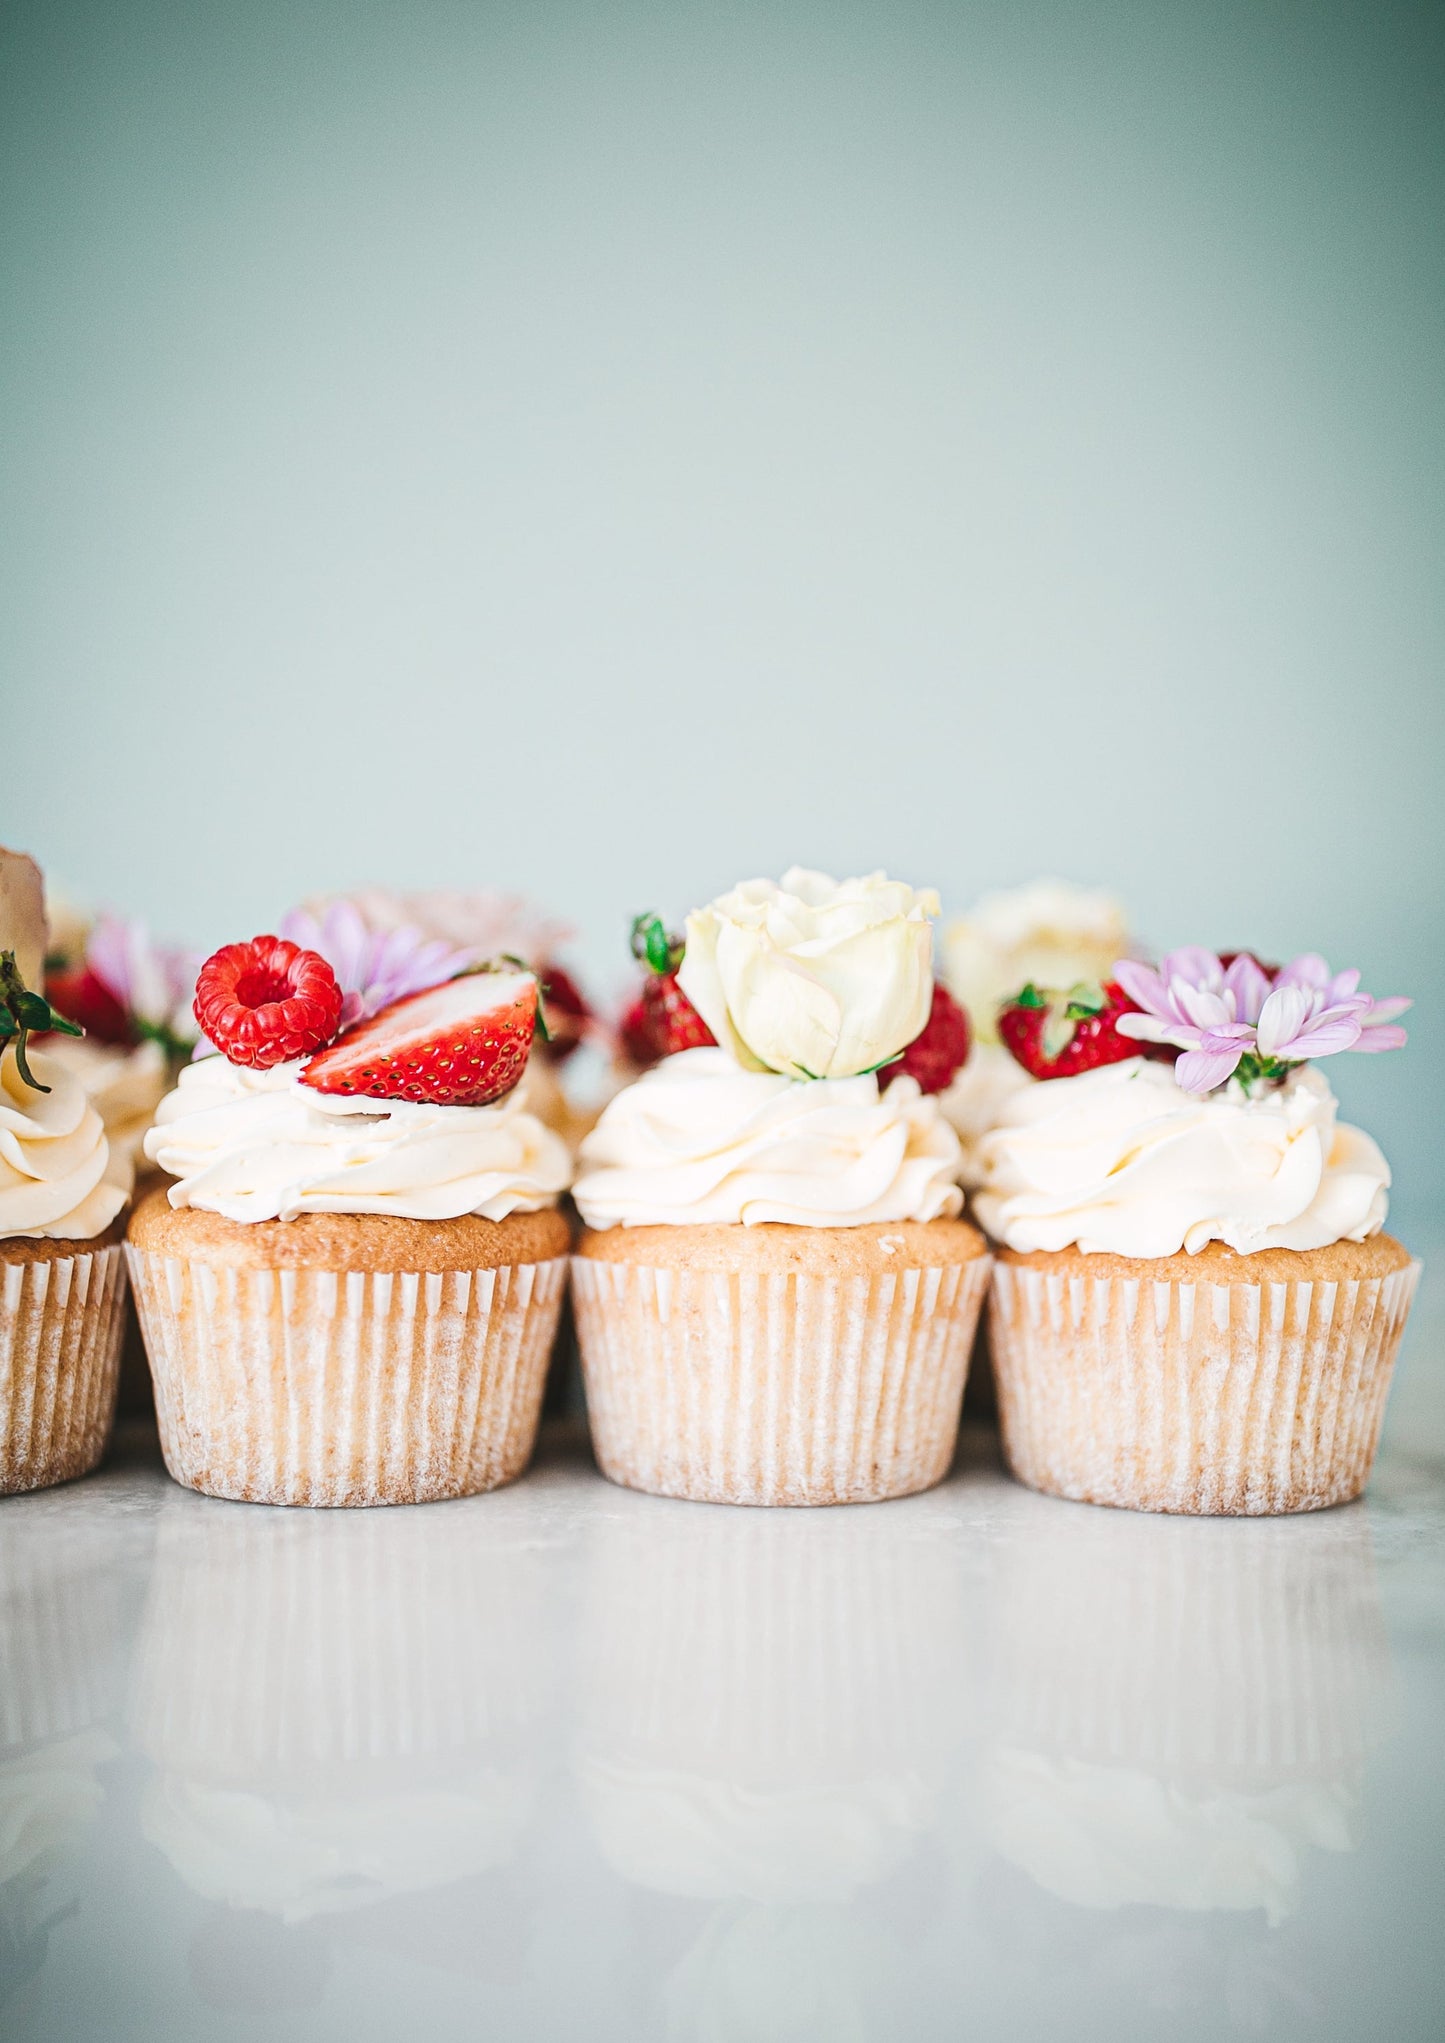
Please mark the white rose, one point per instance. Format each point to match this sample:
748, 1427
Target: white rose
1049, 932
813, 978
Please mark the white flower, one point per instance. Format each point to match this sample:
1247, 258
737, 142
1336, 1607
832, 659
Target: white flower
810, 977
1049, 932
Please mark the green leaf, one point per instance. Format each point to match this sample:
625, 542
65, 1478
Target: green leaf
1028, 996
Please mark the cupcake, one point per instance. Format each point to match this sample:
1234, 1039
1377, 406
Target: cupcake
1195, 1308
350, 1291
62, 1276
775, 1296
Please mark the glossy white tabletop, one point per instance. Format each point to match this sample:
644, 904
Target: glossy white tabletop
570, 1762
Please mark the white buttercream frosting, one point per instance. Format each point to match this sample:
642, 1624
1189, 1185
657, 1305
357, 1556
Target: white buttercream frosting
1124, 1160
57, 1177
975, 1099
698, 1140
125, 1086
259, 1145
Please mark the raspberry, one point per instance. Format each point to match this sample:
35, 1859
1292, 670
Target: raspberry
938, 1050
267, 1001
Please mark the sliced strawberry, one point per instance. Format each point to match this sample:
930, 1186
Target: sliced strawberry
1058, 1035
457, 1045
938, 1050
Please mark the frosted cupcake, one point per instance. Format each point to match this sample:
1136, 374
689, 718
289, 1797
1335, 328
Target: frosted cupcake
775, 1296
1195, 1307
62, 1276
350, 1291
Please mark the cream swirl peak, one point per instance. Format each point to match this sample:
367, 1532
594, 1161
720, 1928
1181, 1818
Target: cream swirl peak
811, 977
1123, 1160
259, 1145
57, 1177
699, 1141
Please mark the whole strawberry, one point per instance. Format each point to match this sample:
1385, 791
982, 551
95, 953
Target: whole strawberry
1058, 1035
79, 992
566, 1011
661, 1020
267, 1001
937, 1051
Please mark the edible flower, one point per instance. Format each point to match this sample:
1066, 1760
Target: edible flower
1234, 1018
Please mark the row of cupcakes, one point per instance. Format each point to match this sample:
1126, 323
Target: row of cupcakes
349, 1282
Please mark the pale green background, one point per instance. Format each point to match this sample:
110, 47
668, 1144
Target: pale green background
613, 450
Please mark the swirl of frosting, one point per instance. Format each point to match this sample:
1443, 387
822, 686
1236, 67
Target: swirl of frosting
57, 1176
125, 1086
1124, 1161
698, 1141
258, 1145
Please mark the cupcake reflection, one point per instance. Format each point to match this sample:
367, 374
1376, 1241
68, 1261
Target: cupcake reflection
62, 1618
1182, 1709
771, 1707
341, 1713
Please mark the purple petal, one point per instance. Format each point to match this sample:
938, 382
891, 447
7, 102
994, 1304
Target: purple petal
1386, 1036
1199, 1005
1203, 1070
1247, 983
1282, 1017
1319, 1039
1308, 969
1193, 961
1236, 1036
1384, 1011
1143, 986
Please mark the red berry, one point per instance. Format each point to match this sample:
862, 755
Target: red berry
82, 997
1058, 1035
267, 1001
457, 1045
661, 1021
566, 1011
937, 1051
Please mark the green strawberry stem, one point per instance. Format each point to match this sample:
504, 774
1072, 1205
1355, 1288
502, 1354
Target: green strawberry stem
652, 946
24, 1014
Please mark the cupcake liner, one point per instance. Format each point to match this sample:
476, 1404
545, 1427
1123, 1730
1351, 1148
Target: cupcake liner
774, 1388
1199, 1398
337, 1387
61, 1321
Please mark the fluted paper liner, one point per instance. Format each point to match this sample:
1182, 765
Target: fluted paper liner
774, 1388
304, 1386
1203, 1398
61, 1321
